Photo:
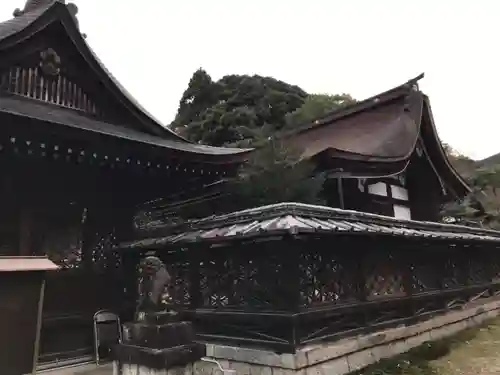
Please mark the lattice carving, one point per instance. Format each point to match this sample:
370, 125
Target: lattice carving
104, 257
494, 264
450, 273
323, 278
425, 272
62, 238
216, 285
477, 270
179, 287
384, 276
46, 82
244, 281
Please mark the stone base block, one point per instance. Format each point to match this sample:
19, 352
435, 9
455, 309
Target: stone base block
126, 356
143, 370
158, 335
346, 355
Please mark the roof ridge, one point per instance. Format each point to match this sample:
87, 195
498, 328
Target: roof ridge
353, 108
35, 9
317, 211
291, 218
33, 5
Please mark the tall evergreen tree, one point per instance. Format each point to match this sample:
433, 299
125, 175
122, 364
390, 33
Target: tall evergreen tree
236, 109
200, 94
276, 173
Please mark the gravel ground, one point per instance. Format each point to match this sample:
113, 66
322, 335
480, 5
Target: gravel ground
477, 356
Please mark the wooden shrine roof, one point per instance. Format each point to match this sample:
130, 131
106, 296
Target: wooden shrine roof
22, 22
17, 24
296, 218
381, 128
33, 19
67, 117
386, 128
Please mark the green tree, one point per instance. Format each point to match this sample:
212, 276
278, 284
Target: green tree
236, 109
316, 106
200, 94
482, 205
275, 174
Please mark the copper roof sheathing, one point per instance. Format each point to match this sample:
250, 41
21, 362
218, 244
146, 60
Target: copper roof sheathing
297, 218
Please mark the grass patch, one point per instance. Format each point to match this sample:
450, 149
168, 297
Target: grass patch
468, 352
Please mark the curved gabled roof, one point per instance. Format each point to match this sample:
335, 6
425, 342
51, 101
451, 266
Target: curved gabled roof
384, 129
56, 115
296, 218
39, 14
46, 12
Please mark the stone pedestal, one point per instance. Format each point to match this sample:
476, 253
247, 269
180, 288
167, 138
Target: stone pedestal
158, 344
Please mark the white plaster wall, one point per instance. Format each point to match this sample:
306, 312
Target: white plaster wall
402, 212
399, 192
380, 188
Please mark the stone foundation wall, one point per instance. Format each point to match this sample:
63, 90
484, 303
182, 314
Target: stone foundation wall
141, 370
343, 356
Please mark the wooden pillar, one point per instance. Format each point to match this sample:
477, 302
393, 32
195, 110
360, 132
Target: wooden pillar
358, 264
9, 216
195, 257
340, 189
290, 249
26, 230
88, 234
407, 263
463, 264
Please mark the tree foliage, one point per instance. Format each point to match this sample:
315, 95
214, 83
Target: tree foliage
242, 110
276, 173
235, 109
482, 205
239, 109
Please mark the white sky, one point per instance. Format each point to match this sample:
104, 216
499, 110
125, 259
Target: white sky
361, 47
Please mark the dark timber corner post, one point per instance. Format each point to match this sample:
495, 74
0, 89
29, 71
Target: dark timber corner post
157, 341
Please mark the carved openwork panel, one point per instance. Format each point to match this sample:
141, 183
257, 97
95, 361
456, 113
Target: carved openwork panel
451, 272
384, 274
425, 271
61, 236
104, 257
478, 269
494, 265
178, 266
244, 278
323, 278
63, 242
44, 79
216, 283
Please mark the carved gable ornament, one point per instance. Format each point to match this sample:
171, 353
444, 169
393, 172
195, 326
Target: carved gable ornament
50, 63
44, 77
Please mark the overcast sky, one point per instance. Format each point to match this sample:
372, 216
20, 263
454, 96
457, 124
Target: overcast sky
361, 47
